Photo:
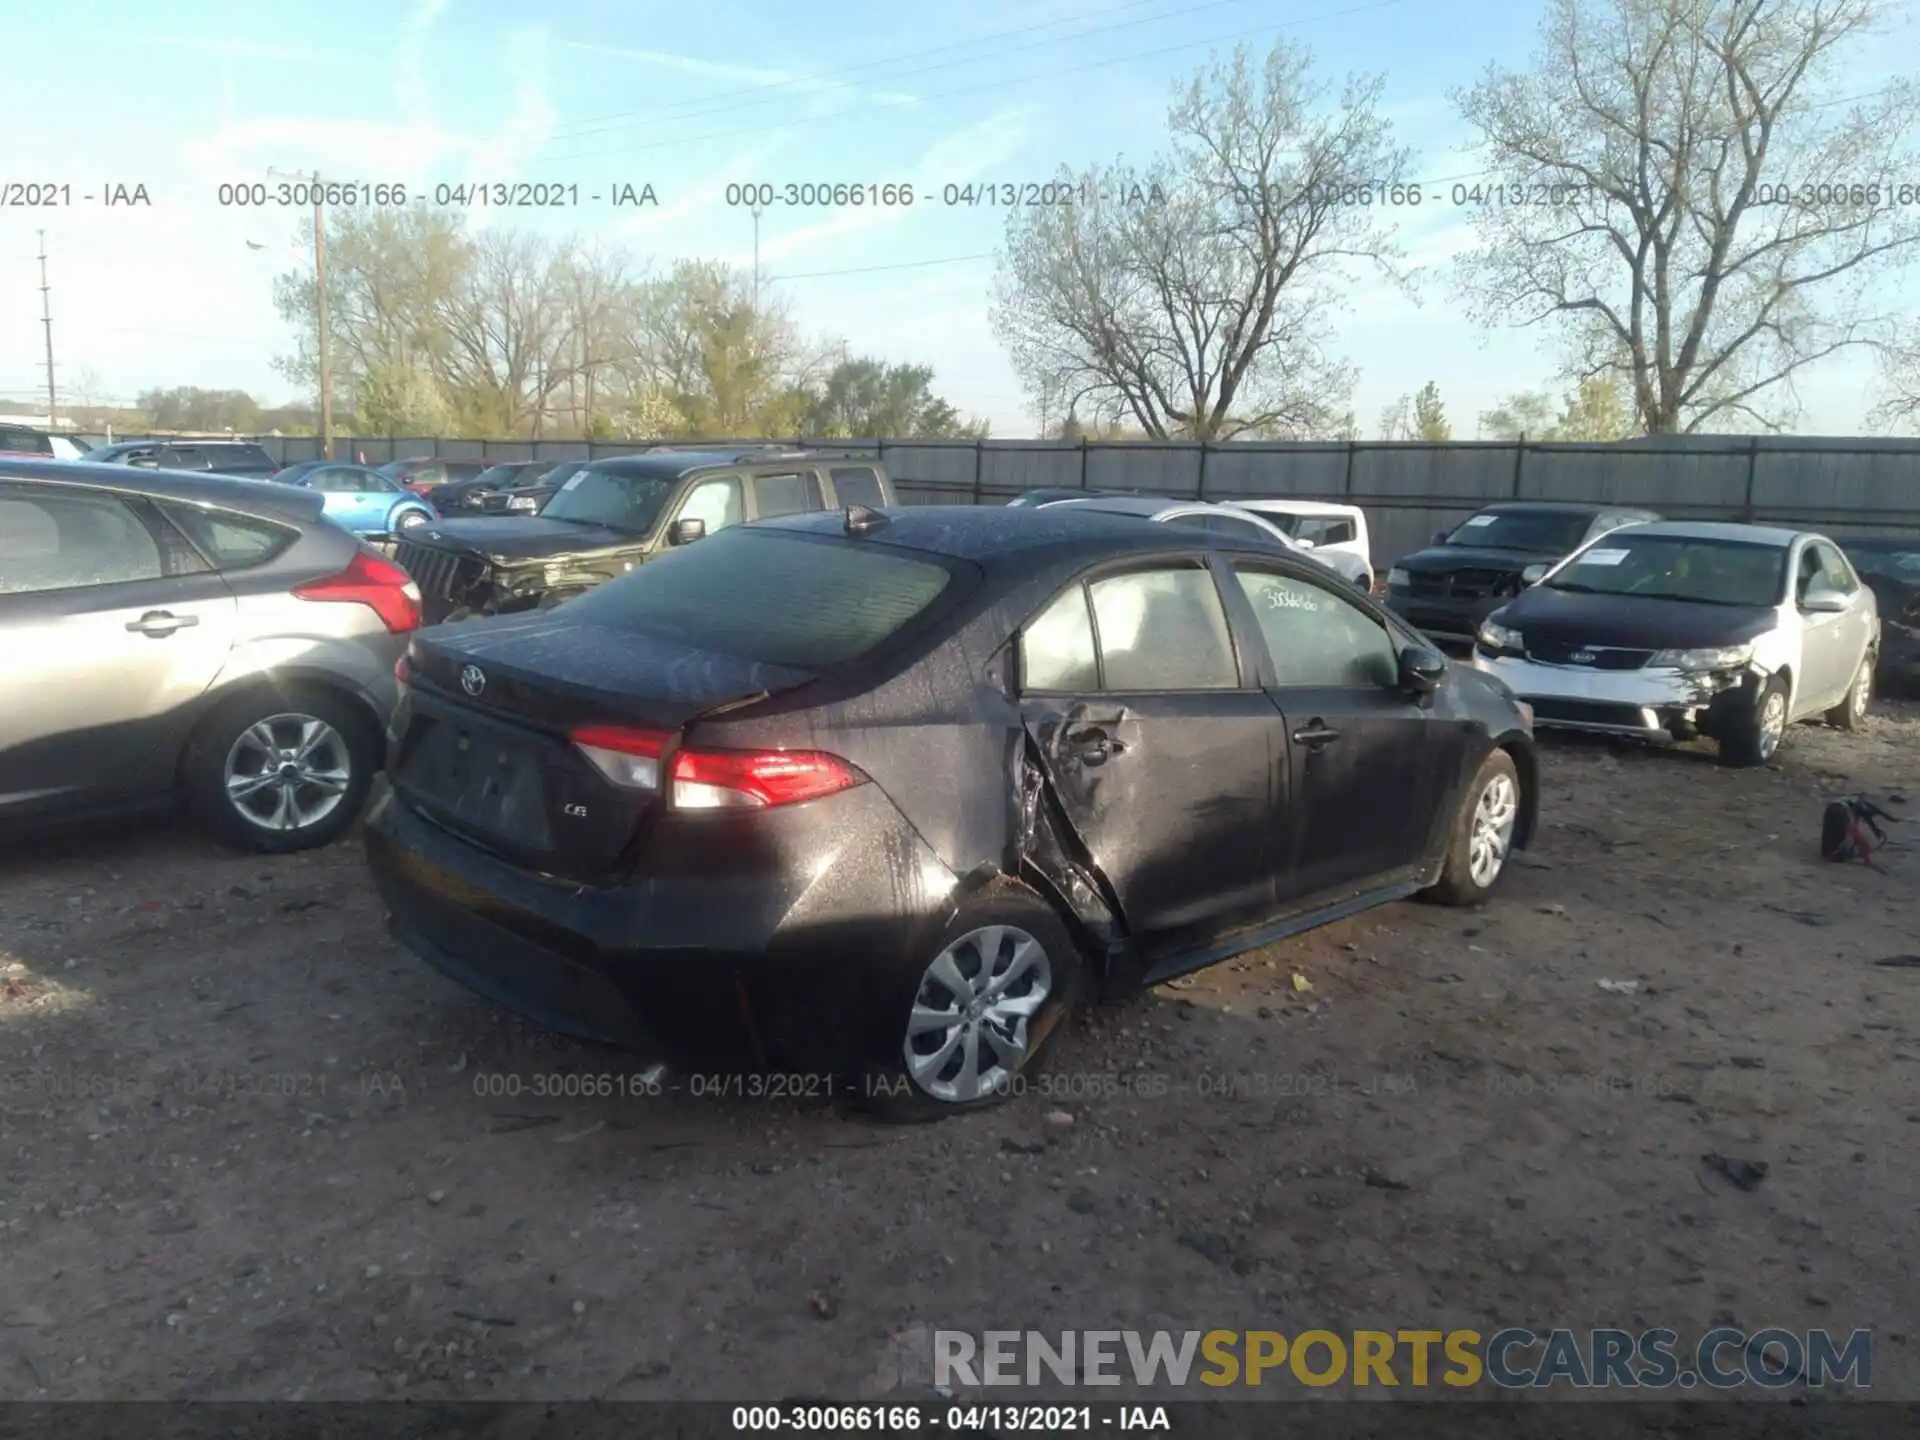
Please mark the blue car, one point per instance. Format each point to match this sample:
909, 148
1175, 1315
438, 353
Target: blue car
359, 498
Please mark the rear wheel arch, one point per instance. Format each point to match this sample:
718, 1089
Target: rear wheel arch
288, 685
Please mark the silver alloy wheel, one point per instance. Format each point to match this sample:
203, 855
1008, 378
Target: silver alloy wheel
1863, 688
968, 1032
288, 772
1492, 834
411, 519
1773, 722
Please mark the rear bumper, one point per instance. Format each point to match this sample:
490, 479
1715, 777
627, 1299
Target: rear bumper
1648, 704
775, 944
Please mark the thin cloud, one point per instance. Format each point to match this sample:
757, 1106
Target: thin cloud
964, 156
741, 74
412, 91
234, 49
707, 195
528, 123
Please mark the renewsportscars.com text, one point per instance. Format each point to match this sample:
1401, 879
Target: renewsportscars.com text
1512, 1358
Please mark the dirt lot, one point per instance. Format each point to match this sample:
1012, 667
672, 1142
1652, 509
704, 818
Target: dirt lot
251, 1149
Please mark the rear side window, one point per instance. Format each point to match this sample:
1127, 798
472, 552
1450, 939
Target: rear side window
769, 597
234, 542
1163, 630
787, 494
1056, 647
857, 485
70, 542
1317, 531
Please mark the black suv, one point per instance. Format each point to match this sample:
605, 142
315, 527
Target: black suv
611, 515
225, 457
1474, 569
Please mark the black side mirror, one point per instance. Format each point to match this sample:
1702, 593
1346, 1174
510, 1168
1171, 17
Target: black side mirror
685, 532
1421, 670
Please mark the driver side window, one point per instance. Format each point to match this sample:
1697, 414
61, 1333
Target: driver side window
1835, 576
716, 502
1808, 578
1316, 637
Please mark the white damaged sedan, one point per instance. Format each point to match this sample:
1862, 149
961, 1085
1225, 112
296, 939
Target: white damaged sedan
1675, 629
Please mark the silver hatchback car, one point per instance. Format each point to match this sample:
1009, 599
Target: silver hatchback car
180, 637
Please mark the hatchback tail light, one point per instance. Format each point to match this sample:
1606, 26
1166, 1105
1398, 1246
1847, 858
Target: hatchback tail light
380, 585
756, 779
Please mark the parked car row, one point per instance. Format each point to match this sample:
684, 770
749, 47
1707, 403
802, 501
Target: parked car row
724, 753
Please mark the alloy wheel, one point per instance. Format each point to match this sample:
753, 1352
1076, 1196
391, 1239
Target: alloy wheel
1773, 722
1492, 834
968, 1034
288, 772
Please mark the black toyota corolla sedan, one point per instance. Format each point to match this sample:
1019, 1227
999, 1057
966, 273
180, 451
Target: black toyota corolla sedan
878, 795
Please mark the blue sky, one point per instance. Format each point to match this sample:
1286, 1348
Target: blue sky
688, 99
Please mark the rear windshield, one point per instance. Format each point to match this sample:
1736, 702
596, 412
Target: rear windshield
767, 597
1538, 532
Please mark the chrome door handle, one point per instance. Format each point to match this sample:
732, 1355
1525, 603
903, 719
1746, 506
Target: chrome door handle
1315, 732
158, 624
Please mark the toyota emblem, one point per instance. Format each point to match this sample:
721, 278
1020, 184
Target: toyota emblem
472, 679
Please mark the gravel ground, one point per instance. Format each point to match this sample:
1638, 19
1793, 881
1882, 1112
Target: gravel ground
250, 1149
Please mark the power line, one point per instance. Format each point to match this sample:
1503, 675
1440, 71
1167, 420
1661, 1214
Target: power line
600, 124
1050, 75
876, 269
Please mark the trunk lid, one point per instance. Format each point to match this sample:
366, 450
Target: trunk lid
484, 749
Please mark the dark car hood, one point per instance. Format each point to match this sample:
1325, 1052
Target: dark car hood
521, 537
1631, 621
1437, 559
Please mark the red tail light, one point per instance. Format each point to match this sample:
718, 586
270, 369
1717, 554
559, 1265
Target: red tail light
628, 758
731, 779
380, 585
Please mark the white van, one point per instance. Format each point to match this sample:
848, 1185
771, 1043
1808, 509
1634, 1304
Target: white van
1322, 526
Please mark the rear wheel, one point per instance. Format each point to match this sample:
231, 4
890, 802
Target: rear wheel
1851, 713
1753, 736
278, 772
1482, 835
985, 1007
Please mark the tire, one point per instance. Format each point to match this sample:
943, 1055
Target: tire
1482, 837
229, 746
409, 518
1851, 712
1754, 736
896, 1089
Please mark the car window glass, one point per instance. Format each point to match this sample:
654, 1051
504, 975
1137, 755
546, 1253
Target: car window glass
1163, 630
234, 541
1056, 647
1319, 530
1317, 637
715, 501
72, 541
786, 494
857, 485
337, 480
1834, 574
1809, 573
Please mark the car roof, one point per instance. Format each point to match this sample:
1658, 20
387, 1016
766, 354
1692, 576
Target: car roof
1121, 504
1556, 507
999, 537
193, 487
172, 441
1281, 506
1774, 535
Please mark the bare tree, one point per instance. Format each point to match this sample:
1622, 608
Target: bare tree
1673, 195
1396, 419
1899, 407
1196, 296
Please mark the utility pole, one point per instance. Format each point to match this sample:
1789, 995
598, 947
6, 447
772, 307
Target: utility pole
46, 321
325, 336
756, 262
